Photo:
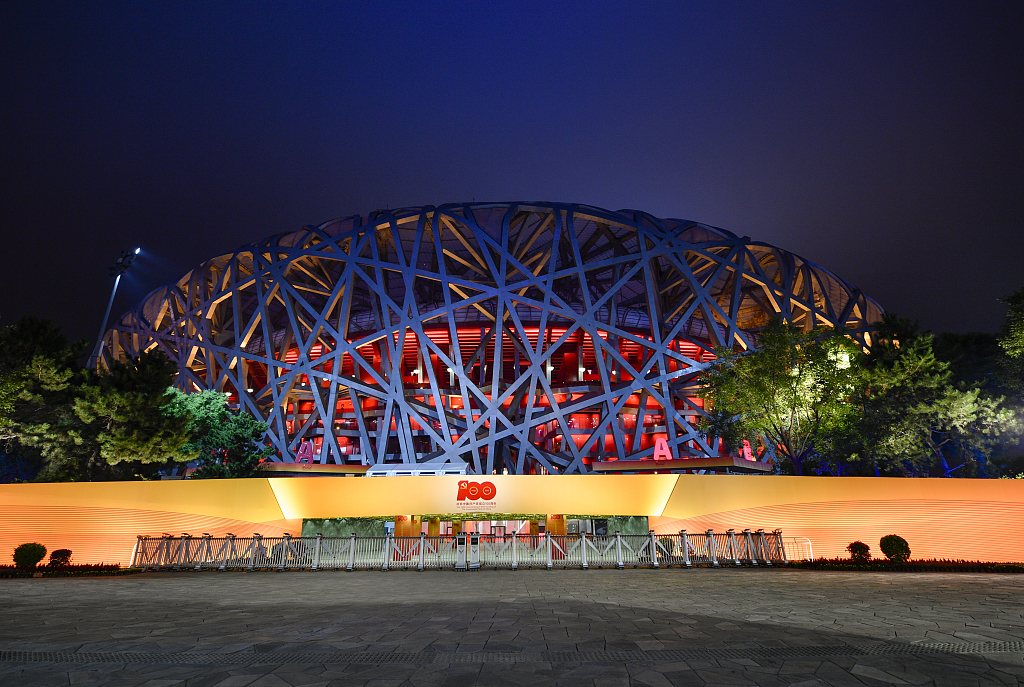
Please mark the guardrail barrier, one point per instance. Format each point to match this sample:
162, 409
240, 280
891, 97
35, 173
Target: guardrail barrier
466, 551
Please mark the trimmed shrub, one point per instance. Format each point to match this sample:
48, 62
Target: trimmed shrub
27, 555
895, 548
859, 551
60, 558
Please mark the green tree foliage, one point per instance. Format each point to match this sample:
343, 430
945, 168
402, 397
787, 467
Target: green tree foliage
895, 548
915, 420
240, 450
859, 551
791, 396
227, 444
25, 346
90, 426
28, 555
1011, 340
36, 361
1012, 335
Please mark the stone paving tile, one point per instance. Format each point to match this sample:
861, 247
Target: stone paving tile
504, 612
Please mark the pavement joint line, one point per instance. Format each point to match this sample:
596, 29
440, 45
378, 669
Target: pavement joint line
254, 657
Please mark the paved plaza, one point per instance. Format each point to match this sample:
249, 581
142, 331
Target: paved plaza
532, 627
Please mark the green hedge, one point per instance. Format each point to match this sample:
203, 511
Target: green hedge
930, 565
98, 570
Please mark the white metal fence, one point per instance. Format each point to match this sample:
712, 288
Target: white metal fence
799, 549
460, 552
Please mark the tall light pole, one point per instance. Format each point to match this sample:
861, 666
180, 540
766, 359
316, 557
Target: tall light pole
124, 261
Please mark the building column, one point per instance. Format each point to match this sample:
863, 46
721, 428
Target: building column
434, 527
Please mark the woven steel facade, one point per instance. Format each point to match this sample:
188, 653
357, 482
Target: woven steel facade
518, 337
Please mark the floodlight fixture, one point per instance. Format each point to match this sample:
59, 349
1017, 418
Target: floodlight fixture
120, 266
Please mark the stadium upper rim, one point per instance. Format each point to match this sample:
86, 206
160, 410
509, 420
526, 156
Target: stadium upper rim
705, 235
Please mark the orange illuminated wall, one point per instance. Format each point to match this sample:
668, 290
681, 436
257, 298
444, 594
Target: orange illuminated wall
941, 518
974, 519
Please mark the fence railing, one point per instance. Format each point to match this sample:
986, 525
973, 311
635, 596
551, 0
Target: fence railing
799, 549
460, 552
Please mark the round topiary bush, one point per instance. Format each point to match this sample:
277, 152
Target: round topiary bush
859, 551
60, 558
895, 548
27, 555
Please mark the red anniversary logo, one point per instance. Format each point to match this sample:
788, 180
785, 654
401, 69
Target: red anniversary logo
474, 491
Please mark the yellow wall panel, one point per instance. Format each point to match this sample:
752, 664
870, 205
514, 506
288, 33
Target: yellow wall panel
326, 497
942, 518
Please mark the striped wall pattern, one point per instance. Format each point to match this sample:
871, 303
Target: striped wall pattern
968, 529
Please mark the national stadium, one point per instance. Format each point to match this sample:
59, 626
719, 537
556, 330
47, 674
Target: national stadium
454, 358
483, 338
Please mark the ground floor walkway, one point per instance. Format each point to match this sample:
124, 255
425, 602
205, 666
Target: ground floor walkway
535, 627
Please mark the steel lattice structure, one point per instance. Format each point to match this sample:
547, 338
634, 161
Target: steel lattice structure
518, 337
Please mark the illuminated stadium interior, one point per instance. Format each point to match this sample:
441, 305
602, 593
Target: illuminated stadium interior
520, 338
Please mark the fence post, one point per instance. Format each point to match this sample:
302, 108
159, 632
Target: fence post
653, 543
163, 551
423, 545
735, 548
547, 547
135, 550
352, 552
515, 554
684, 541
284, 550
229, 541
712, 548
182, 549
764, 548
473, 551
618, 550
781, 545
316, 551
257, 542
387, 552
750, 547
461, 551
204, 549
583, 549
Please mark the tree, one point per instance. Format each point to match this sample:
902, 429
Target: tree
792, 395
29, 343
227, 444
240, 450
10, 388
1011, 340
91, 426
1012, 334
914, 418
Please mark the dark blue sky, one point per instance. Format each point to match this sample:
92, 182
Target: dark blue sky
881, 142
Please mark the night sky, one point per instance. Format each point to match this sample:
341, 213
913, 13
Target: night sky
884, 143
